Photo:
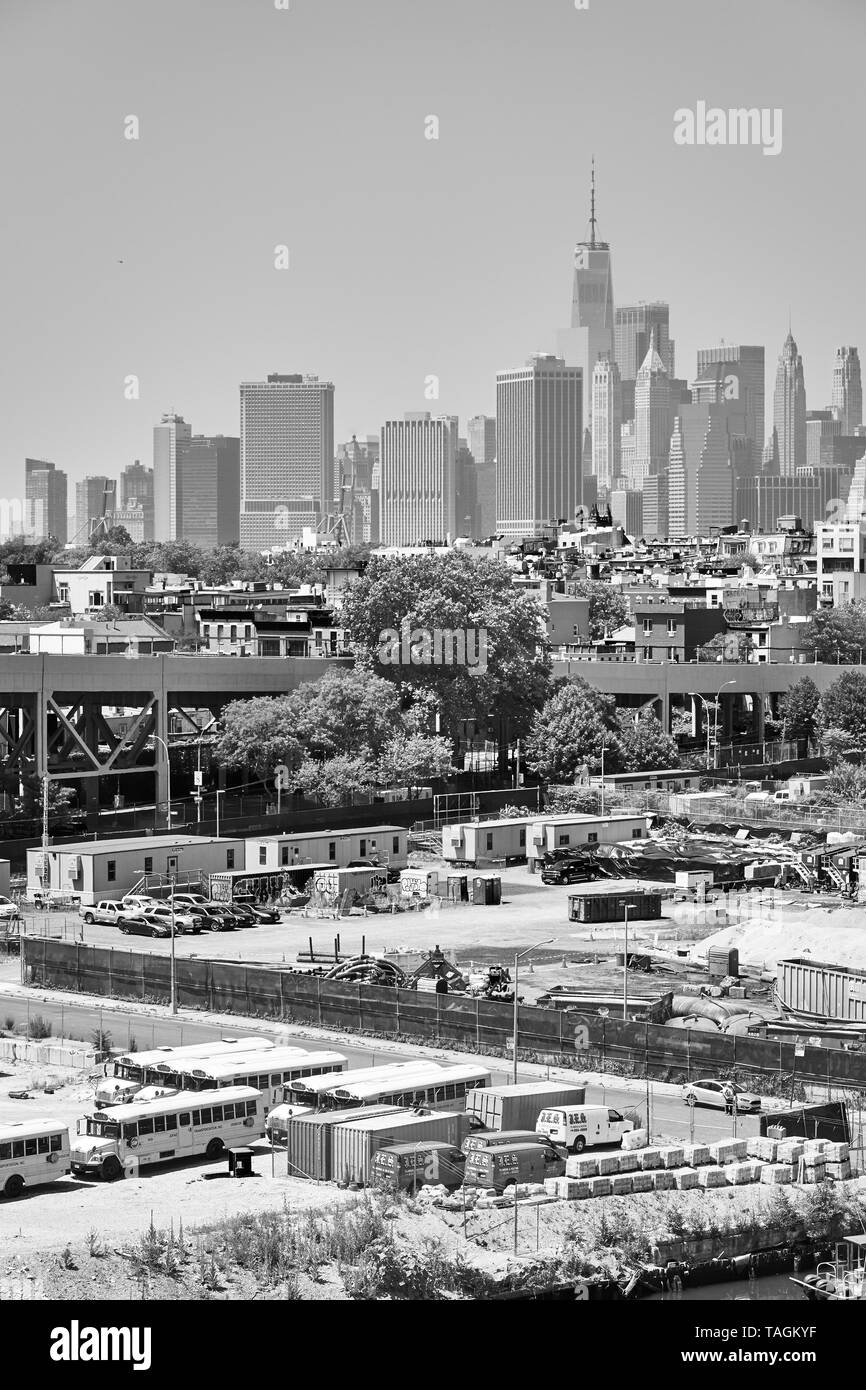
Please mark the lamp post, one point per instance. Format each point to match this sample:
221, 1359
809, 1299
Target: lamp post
198, 766
625, 907
173, 968
157, 739
706, 704
603, 745
517, 958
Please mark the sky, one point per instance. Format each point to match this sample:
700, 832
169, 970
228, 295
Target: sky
408, 257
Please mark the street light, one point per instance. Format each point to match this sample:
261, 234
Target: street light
716, 722
156, 738
603, 746
625, 908
518, 957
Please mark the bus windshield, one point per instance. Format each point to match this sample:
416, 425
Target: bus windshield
101, 1128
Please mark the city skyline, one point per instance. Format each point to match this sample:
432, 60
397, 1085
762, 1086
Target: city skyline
344, 309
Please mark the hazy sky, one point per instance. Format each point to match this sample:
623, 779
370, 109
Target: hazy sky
409, 256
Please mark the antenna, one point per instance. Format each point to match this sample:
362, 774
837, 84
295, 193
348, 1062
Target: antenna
592, 207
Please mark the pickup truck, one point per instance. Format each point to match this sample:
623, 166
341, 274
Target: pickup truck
108, 910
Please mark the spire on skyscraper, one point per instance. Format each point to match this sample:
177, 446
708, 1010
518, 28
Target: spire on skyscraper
592, 206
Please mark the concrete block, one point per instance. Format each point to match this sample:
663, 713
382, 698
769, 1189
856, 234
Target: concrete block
650, 1158
664, 1180
673, 1157
686, 1178
696, 1154
622, 1184
608, 1164
551, 1186
712, 1177
775, 1174
642, 1182
635, 1139
581, 1166
599, 1187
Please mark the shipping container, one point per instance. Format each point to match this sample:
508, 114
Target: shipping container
816, 990
518, 1107
380, 844
607, 903
308, 1139
419, 883
335, 882
550, 833
262, 885
410, 1165
479, 842
354, 1144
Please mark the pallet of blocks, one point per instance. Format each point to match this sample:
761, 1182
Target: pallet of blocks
608, 1164
840, 1171
837, 1152
673, 1157
572, 1189
642, 1182
686, 1178
650, 1158
790, 1150
728, 1150
622, 1184
629, 1162
739, 1173
664, 1180
759, 1146
712, 1177
776, 1173
581, 1166
599, 1187
696, 1154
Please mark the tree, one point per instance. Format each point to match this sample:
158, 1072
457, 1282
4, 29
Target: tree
350, 710
333, 780
111, 540
568, 733
412, 758
259, 734
843, 707
837, 634
847, 785
727, 646
453, 593
608, 607
798, 710
642, 744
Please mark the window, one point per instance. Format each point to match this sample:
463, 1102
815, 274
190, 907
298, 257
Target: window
171, 1122
111, 871
276, 1080
230, 858
592, 837
672, 653
248, 632
363, 849
18, 1148
56, 1143
260, 1083
647, 627
521, 839
148, 863
228, 1112
196, 1117
145, 1126
489, 838
263, 854
159, 1124
672, 627
251, 1107
217, 1114
5, 1151
206, 1116
564, 839
396, 844
42, 1144
183, 1117
332, 850
284, 854
233, 633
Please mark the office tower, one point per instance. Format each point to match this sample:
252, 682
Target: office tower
45, 496
813, 494
417, 483
821, 432
95, 506
628, 456
789, 409
208, 490
607, 422
770, 454
481, 435
539, 435
847, 398
701, 462
592, 315
652, 417
635, 327
359, 489
481, 438
677, 482
171, 431
287, 455
655, 505
626, 510
466, 489
735, 372
136, 494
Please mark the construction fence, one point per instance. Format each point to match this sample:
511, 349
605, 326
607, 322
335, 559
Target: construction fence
545, 1035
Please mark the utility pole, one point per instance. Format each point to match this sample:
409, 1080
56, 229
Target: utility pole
625, 967
173, 985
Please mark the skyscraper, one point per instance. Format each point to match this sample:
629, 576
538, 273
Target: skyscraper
821, 430
481, 438
481, 434
847, 398
287, 457
417, 479
652, 417
635, 327
45, 498
95, 506
171, 431
702, 448
208, 483
136, 493
592, 314
539, 437
789, 409
607, 422
735, 372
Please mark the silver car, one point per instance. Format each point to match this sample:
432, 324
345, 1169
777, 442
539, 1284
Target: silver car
721, 1095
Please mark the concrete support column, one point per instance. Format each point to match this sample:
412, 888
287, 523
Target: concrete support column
697, 716
758, 717
726, 718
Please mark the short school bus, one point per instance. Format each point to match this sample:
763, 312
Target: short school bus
109, 1143
32, 1153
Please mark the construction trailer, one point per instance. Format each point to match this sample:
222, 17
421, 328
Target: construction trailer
489, 841
676, 779
563, 832
380, 844
94, 869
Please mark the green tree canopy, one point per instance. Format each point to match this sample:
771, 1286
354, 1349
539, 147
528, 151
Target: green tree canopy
457, 593
837, 634
568, 733
608, 606
798, 710
258, 734
642, 744
843, 707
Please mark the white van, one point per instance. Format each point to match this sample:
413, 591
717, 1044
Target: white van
582, 1127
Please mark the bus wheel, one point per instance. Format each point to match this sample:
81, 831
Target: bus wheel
14, 1185
112, 1168
214, 1148
579, 1145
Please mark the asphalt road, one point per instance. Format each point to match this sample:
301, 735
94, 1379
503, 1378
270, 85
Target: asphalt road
671, 1117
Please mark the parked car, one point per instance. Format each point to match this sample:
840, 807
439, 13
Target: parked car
9, 911
248, 918
577, 1127
218, 919
141, 926
567, 871
184, 922
142, 902
721, 1094
264, 914
107, 910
